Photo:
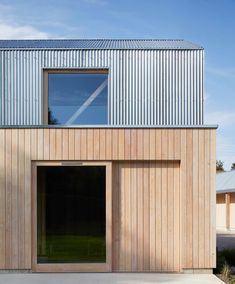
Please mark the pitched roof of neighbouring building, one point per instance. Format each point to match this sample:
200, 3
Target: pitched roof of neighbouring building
225, 182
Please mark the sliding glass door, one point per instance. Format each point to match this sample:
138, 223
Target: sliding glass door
71, 215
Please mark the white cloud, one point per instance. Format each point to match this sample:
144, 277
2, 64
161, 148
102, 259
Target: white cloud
207, 98
9, 31
222, 118
225, 144
225, 150
222, 72
12, 27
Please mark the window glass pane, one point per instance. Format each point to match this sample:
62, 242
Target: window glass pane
77, 98
71, 222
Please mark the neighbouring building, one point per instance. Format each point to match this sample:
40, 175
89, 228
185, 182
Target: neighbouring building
225, 201
105, 161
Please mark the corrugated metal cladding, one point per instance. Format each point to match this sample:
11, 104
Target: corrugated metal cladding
146, 87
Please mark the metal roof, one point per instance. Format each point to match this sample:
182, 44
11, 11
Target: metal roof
225, 182
99, 44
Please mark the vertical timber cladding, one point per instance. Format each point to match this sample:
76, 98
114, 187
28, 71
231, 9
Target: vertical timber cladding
147, 222
167, 152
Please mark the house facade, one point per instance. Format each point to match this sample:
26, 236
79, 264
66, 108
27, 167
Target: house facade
225, 201
106, 164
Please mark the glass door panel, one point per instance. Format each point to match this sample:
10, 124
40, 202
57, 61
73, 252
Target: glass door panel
71, 222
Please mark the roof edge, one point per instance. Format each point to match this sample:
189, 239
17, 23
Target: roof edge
224, 172
110, 41
113, 126
220, 191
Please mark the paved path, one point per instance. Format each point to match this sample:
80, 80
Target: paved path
107, 278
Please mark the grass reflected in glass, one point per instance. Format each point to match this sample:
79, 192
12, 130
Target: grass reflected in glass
71, 215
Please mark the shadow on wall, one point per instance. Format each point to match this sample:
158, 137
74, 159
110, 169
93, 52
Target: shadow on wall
15, 199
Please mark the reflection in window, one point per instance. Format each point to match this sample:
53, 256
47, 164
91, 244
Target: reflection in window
71, 220
75, 98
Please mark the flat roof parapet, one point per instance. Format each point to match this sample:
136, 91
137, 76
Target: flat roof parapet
213, 126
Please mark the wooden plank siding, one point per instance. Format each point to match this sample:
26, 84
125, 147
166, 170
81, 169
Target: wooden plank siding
225, 211
138, 245
163, 192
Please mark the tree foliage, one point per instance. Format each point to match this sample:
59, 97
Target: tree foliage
51, 118
219, 166
233, 166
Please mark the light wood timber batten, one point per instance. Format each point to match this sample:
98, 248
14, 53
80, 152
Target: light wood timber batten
162, 188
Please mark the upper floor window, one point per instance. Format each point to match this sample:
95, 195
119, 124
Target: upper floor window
76, 97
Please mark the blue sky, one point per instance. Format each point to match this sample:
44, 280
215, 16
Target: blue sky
210, 23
